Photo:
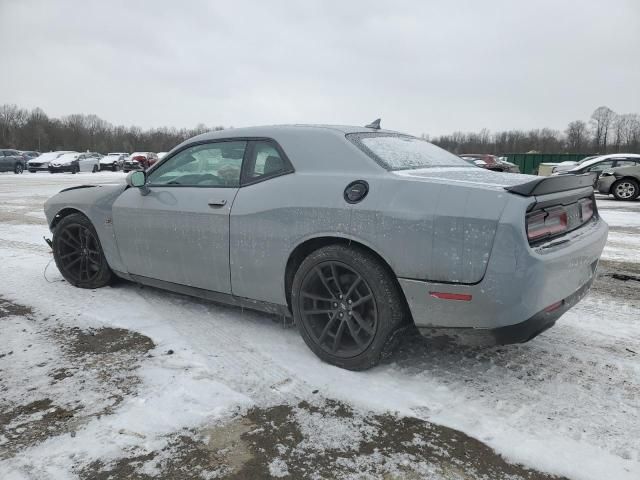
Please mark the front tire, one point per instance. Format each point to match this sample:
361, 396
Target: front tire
94, 169
625, 189
18, 169
348, 307
78, 253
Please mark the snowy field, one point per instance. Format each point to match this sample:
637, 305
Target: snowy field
130, 382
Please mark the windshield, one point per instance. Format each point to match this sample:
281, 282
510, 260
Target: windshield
403, 152
586, 159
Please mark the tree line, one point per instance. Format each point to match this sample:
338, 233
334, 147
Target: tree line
605, 132
34, 130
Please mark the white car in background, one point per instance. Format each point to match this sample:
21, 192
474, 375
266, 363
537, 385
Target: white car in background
76, 162
41, 163
598, 163
113, 161
161, 155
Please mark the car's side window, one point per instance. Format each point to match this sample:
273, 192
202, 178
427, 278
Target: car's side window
212, 164
626, 163
265, 162
601, 166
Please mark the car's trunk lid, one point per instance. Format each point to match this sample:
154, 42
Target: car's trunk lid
472, 176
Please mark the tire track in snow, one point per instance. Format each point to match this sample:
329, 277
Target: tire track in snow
213, 332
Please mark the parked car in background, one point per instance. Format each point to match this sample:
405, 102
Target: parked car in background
621, 182
76, 162
491, 162
113, 161
29, 154
601, 163
140, 161
11, 161
306, 221
568, 164
161, 155
41, 163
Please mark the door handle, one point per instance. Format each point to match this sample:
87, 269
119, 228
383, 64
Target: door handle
217, 203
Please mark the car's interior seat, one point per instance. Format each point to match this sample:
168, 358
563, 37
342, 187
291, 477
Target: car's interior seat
272, 164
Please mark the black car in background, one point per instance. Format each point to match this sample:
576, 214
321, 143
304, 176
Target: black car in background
11, 161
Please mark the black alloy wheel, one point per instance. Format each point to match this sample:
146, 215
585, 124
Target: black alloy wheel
348, 306
338, 309
19, 168
78, 253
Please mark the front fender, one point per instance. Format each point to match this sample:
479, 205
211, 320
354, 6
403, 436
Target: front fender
94, 202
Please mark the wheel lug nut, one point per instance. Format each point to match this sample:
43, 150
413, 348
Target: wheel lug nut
340, 297
341, 314
335, 305
349, 301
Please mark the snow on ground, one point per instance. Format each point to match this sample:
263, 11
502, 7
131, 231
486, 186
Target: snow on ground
567, 402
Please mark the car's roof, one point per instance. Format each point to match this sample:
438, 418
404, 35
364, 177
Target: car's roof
275, 130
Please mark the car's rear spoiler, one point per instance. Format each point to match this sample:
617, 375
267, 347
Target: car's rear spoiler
558, 183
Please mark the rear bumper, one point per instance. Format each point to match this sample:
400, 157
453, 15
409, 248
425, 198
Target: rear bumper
519, 284
518, 333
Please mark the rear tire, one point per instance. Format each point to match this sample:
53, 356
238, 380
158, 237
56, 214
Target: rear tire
94, 169
18, 169
625, 189
348, 307
78, 253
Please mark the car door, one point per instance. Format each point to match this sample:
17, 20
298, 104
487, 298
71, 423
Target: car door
4, 161
176, 229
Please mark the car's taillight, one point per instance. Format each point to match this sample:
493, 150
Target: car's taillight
546, 223
586, 208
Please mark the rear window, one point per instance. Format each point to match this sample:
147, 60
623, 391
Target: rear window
403, 152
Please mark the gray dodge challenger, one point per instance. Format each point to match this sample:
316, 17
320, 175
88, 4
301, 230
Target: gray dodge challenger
357, 233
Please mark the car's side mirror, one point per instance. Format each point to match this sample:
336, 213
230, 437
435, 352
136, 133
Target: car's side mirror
138, 179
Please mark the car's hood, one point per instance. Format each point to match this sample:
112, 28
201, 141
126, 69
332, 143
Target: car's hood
35, 160
469, 175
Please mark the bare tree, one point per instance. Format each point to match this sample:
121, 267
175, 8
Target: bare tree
577, 136
602, 119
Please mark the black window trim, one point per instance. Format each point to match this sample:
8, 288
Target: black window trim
248, 150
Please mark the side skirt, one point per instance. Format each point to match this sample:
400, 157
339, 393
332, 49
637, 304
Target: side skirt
217, 297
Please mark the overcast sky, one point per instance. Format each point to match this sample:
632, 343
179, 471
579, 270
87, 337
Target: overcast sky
423, 66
